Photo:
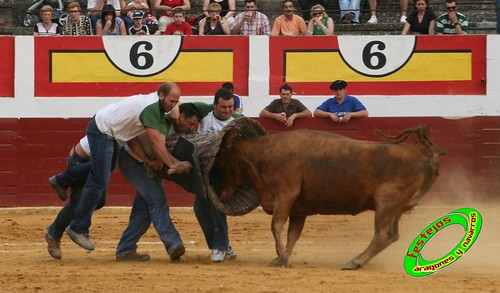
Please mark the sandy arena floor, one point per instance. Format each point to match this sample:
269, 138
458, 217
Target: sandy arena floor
326, 244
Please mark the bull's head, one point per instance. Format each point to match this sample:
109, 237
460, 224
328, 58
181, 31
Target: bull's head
230, 170
227, 175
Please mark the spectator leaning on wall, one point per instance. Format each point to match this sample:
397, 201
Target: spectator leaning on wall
341, 108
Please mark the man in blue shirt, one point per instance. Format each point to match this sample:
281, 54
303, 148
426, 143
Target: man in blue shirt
342, 107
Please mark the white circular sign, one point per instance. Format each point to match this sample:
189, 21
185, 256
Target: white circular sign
142, 56
376, 56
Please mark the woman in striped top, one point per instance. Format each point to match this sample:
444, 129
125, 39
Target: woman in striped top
46, 27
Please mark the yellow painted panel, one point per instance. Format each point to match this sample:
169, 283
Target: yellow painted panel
95, 67
327, 66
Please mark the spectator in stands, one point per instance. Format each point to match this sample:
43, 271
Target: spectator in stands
138, 28
128, 7
46, 27
305, 7
289, 24
166, 7
452, 22
238, 104
349, 11
285, 109
342, 107
214, 24
77, 24
94, 7
109, 24
420, 21
251, 22
320, 23
373, 8
228, 8
179, 26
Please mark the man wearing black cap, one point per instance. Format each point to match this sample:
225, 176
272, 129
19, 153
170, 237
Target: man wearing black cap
342, 107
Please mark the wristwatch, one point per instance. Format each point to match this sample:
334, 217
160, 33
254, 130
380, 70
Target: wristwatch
455, 24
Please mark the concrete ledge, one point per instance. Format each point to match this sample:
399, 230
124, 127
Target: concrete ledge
23, 31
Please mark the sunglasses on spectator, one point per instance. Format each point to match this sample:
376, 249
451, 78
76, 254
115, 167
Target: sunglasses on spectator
317, 13
451, 8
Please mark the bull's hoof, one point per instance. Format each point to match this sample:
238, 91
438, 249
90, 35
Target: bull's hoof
278, 262
351, 266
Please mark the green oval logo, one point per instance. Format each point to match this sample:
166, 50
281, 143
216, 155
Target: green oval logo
470, 219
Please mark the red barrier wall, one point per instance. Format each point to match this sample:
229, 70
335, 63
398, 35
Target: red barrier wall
7, 69
31, 150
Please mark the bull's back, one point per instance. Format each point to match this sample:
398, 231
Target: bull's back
331, 174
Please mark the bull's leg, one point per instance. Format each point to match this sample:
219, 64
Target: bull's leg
295, 226
394, 231
281, 212
277, 224
385, 233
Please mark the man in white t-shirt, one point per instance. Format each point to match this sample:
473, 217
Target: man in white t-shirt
212, 221
112, 126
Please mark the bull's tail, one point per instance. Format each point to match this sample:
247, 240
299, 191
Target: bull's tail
432, 150
420, 133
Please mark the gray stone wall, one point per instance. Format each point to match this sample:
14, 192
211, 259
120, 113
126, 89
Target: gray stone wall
482, 15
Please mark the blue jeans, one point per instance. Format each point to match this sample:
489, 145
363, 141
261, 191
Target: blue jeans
93, 21
102, 149
128, 22
76, 174
213, 223
350, 6
150, 205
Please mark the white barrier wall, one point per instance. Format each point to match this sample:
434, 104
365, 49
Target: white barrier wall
27, 103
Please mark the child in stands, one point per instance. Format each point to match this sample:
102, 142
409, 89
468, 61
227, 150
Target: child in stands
138, 28
179, 26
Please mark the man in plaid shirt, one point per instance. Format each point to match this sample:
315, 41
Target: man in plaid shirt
251, 22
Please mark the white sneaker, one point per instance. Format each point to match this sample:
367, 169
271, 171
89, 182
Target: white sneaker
402, 19
218, 255
372, 20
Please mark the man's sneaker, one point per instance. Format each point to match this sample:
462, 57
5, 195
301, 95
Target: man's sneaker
53, 246
81, 239
218, 255
230, 254
373, 20
60, 190
133, 256
176, 251
402, 19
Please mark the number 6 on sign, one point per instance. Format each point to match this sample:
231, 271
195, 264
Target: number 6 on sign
142, 56
376, 56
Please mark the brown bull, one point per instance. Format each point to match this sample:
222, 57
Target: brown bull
305, 172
